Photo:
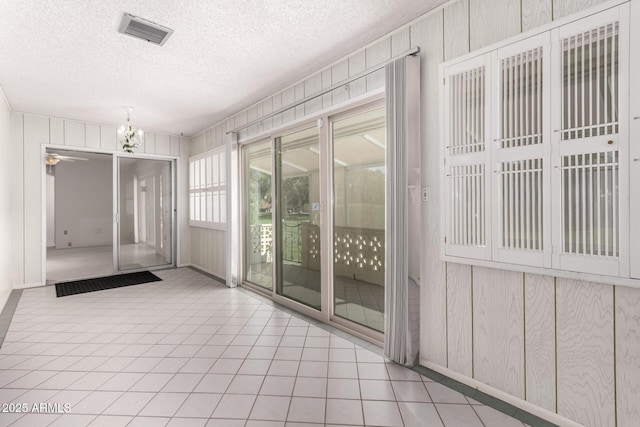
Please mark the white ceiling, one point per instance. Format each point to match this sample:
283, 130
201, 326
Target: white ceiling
65, 58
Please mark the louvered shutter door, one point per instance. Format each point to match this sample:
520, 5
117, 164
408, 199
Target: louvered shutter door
590, 175
521, 229
467, 200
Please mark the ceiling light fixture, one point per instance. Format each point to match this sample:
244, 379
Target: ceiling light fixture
130, 138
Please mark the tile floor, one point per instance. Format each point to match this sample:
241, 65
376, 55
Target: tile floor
96, 261
188, 351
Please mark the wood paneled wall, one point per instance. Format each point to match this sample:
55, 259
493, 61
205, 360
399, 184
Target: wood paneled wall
568, 347
28, 134
585, 352
544, 340
540, 340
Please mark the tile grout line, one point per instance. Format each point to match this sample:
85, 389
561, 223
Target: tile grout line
123, 317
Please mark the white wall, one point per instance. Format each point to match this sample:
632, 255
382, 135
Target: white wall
551, 345
83, 202
28, 135
5, 200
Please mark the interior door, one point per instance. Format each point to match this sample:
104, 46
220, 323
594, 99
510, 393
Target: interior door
145, 213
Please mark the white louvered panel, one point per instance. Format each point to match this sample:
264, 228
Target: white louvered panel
192, 174
521, 208
468, 205
192, 186
206, 187
223, 206
192, 207
520, 223
466, 208
590, 83
467, 93
196, 206
521, 107
223, 171
208, 210
590, 200
591, 169
213, 212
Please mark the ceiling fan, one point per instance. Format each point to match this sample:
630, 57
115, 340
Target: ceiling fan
52, 159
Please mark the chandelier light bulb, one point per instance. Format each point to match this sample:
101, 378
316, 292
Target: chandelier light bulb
130, 138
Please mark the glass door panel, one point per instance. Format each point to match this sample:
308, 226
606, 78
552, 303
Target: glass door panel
145, 207
259, 229
359, 171
79, 207
298, 217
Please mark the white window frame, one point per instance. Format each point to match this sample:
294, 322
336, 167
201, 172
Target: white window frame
499, 156
551, 259
619, 142
208, 190
473, 150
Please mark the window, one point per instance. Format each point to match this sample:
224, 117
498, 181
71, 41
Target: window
536, 150
467, 161
208, 189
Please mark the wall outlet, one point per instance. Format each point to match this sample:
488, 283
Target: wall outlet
426, 194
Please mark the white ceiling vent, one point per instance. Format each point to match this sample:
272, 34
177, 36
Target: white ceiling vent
145, 30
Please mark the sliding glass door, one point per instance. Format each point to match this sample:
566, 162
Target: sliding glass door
298, 217
359, 172
329, 267
145, 213
258, 233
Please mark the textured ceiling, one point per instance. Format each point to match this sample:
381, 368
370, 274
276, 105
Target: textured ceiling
65, 58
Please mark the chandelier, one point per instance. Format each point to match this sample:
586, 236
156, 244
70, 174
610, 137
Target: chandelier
130, 138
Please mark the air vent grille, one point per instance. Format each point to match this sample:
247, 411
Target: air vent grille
145, 30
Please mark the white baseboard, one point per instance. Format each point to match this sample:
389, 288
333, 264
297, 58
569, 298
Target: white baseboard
218, 276
499, 394
28, 285
4, 297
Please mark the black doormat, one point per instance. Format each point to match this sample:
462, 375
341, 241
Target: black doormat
101, 283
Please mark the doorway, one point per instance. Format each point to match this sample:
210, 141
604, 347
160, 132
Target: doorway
79, 188
106, 214
144, 214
